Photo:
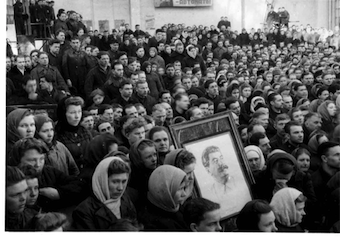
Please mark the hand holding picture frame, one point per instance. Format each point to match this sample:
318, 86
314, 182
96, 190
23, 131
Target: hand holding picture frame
221, 173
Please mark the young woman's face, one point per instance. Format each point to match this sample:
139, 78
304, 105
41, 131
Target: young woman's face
303, 162
246, 92
98, 99
180, 195
26, 127
149, 157
267, 222
235, 93
73, 114
46, 132
300, 211
331, 108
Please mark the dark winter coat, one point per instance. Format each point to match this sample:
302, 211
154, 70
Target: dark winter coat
93, 215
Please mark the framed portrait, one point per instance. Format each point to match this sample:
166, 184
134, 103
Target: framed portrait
222, 173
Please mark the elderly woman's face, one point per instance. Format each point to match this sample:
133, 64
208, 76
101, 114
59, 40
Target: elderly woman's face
73, 114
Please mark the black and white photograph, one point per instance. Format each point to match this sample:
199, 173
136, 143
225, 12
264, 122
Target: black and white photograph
179, 116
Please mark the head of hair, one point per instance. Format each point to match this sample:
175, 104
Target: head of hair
118, 167
256, 137
249, 217
156, 129
324, 147
133, 123
195, 209
103, 107
49, 221
205, 155
229, 101
184, 158
281, 117
13, 176
299, 151
289, 125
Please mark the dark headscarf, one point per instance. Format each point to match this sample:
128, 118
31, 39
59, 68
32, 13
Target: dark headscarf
145, 65
63, 124
171, 157
13, 120
322, 110
98, 148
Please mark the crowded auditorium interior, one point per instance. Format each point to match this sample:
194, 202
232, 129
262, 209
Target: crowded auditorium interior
172, 116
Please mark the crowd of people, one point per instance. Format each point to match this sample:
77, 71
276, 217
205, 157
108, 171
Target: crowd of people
105, 161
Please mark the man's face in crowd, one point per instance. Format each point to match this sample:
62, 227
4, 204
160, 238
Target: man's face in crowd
161, 140
136, 135
218, 167
16, 196
263, 120
55, 48
61, 36
33, 158
196, 114
308, 79
213, 89
141, 111
170, 71
33, 191
204, 109
159, 116
235, 108
183, 103
31, 86
287, 102
296, 134
108, 113
278, 103
280, 125
104, 60
302, 92
166, 97
75, 44
123, 60
142, 89
298, 116
210, 223
327, 80
126, 91
21, 62
117, 114
168, 109
88, 122
131, 112
118, 70
332, 158
187, 83
106, 128
43, 59
313, 123
265, 146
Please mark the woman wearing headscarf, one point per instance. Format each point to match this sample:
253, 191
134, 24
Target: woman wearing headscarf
254, 101
288, 206
58, 155
327, 110
185, 161
144, 160
153, 80
68, 129
154, 57
19, 124
109, 201
255, 158
193, 58
166, 193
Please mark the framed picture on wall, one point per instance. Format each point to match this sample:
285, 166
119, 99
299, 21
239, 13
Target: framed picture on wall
221, 174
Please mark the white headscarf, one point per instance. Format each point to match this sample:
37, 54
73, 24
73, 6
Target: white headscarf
283, 205
258, 151
100, 185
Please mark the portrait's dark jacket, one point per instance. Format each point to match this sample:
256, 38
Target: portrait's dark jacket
93, 215
156, 219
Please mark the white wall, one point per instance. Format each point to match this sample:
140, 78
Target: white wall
314, 12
